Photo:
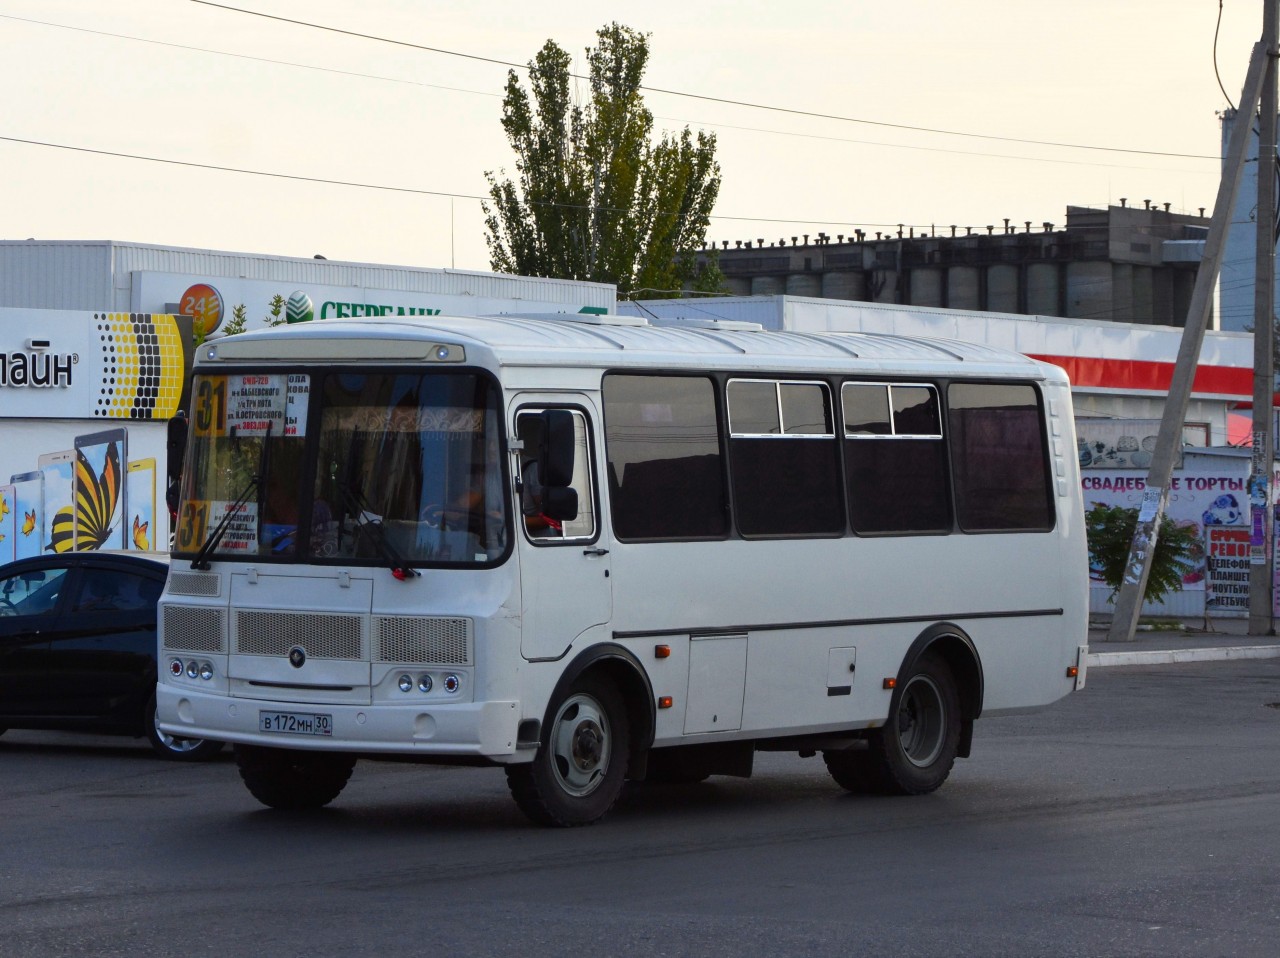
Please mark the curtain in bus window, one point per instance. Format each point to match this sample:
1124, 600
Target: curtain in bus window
665, 469
998, 458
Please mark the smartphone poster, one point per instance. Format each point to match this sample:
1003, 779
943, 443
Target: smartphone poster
140, 493
8, 527
56, 468
98, 490
28, 513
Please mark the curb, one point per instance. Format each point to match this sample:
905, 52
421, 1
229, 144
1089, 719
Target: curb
1099, 660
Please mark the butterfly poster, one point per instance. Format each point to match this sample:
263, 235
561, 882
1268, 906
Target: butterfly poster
28, 511
56, 470
140, 493
98, 508
8, 524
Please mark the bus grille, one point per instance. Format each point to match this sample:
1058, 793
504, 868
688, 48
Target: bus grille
275, 633
194, 583
193, 629
421, 640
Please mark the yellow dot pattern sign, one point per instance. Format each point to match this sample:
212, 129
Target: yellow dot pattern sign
142, 365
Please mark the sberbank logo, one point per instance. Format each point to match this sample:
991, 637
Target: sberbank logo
335, 310
299, 308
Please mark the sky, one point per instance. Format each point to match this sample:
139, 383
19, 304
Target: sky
190, 124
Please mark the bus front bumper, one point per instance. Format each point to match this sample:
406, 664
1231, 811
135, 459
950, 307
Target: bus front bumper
473, 729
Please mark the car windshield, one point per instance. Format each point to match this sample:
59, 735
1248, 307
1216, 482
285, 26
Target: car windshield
343, 466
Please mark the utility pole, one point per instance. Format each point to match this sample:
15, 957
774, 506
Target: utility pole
1169, 439
1261, 621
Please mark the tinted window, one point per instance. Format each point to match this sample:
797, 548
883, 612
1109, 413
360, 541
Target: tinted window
998, 458
895, 461
115, 590
665, 469
786, 481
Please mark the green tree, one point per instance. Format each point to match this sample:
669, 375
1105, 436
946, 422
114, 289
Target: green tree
239, 318
1110, 533
275, 316
596, 199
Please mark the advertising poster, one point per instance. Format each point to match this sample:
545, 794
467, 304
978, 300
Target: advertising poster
57, 469
140, 494
28, 512
98, 487
8, 515
1227, 571
1201, 501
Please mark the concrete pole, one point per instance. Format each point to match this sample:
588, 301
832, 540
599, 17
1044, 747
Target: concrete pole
1264, 294
1169, 439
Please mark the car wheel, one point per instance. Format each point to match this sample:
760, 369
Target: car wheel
581, 764
292, 779
173, 747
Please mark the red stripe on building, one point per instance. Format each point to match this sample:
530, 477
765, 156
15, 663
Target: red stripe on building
1147, 376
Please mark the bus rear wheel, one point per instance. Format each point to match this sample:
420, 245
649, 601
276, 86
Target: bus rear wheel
581, 764
913, 752
290, 779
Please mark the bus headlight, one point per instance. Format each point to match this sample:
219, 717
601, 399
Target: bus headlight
424, 683
451, 683
406, 683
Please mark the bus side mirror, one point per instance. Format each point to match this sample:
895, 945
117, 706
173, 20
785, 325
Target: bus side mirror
558, 452
176, 446
560, 503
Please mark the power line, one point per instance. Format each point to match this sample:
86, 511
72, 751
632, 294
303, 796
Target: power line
705, 98
453, 89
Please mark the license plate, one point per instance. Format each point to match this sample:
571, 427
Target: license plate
296, 723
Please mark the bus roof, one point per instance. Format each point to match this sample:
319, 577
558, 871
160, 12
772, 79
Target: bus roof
623, 341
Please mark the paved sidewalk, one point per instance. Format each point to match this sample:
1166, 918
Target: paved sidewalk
1224, 639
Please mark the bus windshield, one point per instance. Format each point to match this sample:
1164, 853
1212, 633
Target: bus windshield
344, 466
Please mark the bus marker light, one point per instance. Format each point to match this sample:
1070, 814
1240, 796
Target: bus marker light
890, 683
664, 702
175, 667
1073, 671
451, 683
661, 651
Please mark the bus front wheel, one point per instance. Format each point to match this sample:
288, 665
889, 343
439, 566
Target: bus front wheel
290, 779
581, 764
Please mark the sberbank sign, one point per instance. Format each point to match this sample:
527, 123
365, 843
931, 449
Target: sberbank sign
335, 310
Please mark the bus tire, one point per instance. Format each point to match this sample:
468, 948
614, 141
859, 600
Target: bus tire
912, 753
291, 779
581, 764
851, 769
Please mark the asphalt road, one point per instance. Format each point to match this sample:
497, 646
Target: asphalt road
1138, 817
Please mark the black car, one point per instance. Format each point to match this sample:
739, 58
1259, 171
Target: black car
78, 647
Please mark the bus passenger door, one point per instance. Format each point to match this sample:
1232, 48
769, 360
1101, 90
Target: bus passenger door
564, 547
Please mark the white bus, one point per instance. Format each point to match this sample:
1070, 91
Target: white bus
589, 549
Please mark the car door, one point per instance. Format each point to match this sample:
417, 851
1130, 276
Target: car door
31, 597
103, 651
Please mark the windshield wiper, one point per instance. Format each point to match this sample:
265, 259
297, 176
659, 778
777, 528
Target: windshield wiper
372, 528
201, 560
